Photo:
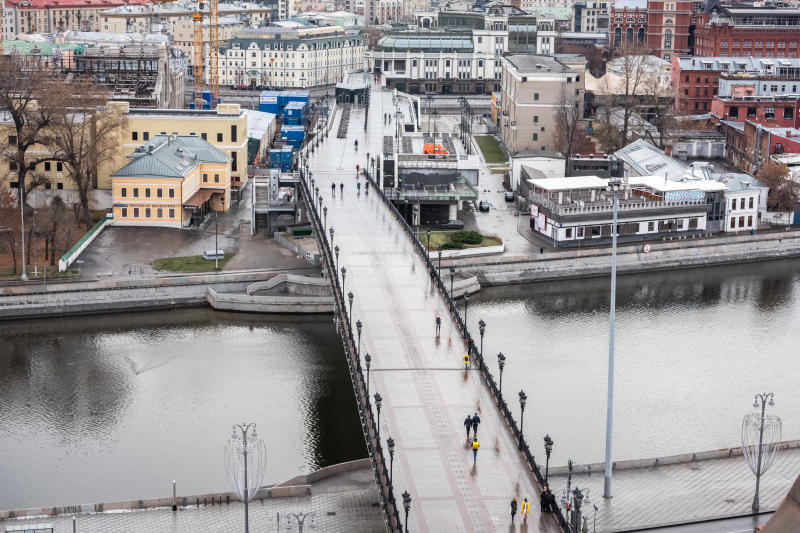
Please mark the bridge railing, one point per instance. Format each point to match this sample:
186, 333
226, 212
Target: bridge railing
345, 331
474, 352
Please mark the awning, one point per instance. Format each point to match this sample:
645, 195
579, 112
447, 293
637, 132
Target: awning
201, 197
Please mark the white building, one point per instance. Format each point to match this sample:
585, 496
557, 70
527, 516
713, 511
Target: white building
281, 57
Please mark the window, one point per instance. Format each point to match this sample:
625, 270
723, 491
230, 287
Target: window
535, 96
12, 140
668, 39
134, 135
135, 192
147, 212
750, 221
172, 193
233, 133
60, 186
159, 193
123, 192
124, 212
535, 136
733, 204
680, 223
146, 135
535, 119
147, 192
47, 166
205, 178
651, 226
741, 222
234, 161
751, 112
171, 213
595, 231
734, 112
769, 112
751, 202
159, 213
219, 137
741, 203
733, 222
59, 167
693, 223
135, 212
787, 112
568, 233
204, 136
216, 178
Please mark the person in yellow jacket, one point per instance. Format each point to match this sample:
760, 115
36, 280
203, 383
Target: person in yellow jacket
475, 446
526, 507
466, 361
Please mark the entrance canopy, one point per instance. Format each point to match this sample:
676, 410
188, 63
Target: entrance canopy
201, 197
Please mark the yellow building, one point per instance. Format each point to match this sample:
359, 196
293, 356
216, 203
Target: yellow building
172, 181
225, 128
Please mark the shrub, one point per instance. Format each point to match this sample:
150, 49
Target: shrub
466, 237
298, 232
453, 246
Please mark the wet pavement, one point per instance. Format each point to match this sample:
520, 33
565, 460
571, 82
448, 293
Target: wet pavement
426, 391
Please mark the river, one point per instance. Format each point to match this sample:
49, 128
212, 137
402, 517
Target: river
98, 409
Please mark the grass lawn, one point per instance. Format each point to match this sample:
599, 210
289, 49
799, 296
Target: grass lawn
192, 263
490, 149
7, 273
438, 238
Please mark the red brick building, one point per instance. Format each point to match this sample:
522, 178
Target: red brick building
748, 31
750, 145
662, 26
776, 111
695, 81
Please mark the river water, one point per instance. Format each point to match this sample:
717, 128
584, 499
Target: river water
692, 348
113, 408
97, 409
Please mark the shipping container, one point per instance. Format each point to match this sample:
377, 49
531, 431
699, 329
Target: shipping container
269, 102
292, 133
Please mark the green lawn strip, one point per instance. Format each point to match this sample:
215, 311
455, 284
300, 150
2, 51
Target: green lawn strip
7, 273
440, 238
192, 263
492, 153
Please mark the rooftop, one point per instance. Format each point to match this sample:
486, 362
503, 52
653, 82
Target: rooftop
258, 123
630, 4
427, 41
656, 183
647, 160
170, 156
530, 63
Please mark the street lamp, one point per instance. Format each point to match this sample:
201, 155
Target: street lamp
245, 482
501, 362
428, 249
336, 251
523, 398
350, 299
320, 199
390, 444
466, 306
755, 424
216, 240
325, 215
331, 232
368, 362
440, 261
406, 505
378, 401
577, 499
614, 185
344, 274
452, 276
358, 329
548, 447
482, 329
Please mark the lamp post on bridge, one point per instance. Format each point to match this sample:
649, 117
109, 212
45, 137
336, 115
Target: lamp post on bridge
331, 232
482, 329
452, 276
350, 299
344, 274
406, 506
466, 307
368, 362
335, 251
390, 444
325, 217
428, 249
501, 362
523, 398
378, 402
440, 261
548, 447
359, 325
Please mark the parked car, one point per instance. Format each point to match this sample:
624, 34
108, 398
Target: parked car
509, 196
243, 87
483, 205
453, 224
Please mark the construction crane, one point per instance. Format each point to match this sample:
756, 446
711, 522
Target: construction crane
213, 55
197, 60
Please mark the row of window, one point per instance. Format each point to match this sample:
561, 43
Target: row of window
630, 228
741, 203
769, 112
148, 212
48, 186
742, 222
159, 192
203, 135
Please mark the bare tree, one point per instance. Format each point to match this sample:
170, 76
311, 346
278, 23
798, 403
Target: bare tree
82, 134
10, 224
784, 192
568, 122
659, 99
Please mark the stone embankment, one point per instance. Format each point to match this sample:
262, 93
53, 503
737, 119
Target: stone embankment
641, 257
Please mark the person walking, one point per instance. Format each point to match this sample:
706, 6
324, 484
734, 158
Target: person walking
551, 501
468, 424
438, 323
358, 186
466, 361
513, 508
475, 421
543, 501
333, 189
475, 446
341, 188
526, 507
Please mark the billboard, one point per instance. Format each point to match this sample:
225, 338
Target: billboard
267, 99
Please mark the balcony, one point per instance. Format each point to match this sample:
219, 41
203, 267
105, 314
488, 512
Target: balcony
604, 207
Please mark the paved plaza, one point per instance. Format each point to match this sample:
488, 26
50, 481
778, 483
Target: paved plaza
683, 492
426, 391
344, 503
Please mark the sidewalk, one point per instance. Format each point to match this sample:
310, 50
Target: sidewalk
686, 492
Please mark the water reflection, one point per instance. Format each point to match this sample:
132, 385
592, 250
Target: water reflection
115, 407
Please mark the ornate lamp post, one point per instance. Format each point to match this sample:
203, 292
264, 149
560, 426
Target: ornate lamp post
452, 276
523, 398
350, 299
614, 185
390, 444
325, 217
759, 458
378, 401
482, 329
368, 362
359, 325
548, 447
331, 232
501, 362
336, 251
344, 275
466, 307
406, 505
428, 249
440, 260
320, 199
243, 444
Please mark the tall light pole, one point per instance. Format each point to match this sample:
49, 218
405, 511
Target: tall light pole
440, 261
368, 362
761, 460
245, 481
466, 308
359, 325
336, 251
331, 232
548, 447
325, 217
344, 275
216, 240
378, 402
350, 299
614, 185
523, 398
501, 362
482, 329
406, 505
390, 444
452, 276
428, 249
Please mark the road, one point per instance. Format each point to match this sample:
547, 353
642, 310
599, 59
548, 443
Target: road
729, 525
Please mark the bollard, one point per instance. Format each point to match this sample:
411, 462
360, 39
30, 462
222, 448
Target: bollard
228, 499
74, 524
174, 493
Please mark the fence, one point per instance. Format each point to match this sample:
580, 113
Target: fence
472, 349
345, 330
67, 259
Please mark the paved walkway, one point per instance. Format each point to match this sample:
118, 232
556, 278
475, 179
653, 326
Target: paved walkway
683, 492
426, 392
344, 503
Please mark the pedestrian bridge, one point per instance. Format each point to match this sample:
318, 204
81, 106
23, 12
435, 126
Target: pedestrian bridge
411, 387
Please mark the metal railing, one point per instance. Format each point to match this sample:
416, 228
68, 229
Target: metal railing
345, 331
475, 355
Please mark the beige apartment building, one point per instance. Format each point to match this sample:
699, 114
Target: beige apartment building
534, 88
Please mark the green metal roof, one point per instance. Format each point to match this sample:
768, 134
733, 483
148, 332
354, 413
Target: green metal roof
427, 42
170, 156
46, 49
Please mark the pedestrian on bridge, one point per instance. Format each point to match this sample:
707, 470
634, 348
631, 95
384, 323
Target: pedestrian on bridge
526, 507
466, 361
475, 446
333, 189
513, 509
468, 424
475, 421
438, 321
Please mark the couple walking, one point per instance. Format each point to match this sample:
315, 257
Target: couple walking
524, 510
471, 422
